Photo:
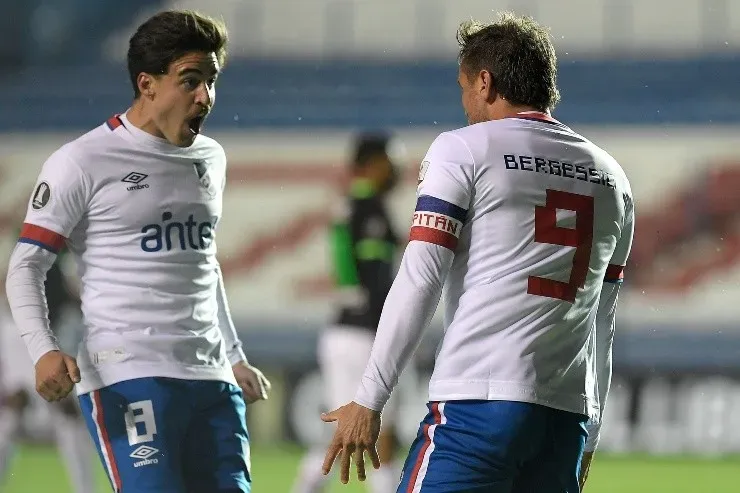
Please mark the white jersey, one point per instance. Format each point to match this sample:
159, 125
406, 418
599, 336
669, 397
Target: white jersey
139, 215
522, 220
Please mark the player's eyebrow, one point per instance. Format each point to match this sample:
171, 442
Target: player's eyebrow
196, 71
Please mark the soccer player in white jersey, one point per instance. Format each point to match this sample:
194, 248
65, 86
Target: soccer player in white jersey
162, 378
528, 225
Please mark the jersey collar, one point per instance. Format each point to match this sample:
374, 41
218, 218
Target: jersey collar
537, 116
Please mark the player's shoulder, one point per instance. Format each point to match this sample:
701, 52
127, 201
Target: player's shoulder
207, 148
473, 142
461, 145
79, 153
462, 136
608, 163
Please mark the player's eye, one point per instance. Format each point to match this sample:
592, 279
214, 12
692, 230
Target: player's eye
191, 83
211, 82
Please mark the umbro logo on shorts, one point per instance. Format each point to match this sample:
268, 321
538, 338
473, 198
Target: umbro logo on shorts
144, 453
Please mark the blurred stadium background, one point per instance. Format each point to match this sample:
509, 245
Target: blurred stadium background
653, 81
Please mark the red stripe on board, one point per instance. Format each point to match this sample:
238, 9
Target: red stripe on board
116, 477
429, 235
423, 451
53, 240
614, 273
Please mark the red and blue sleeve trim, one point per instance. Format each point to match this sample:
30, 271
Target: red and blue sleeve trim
41, 237
614, 274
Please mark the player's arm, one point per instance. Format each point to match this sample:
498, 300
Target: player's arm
253, 383
58, 203
605, 325
234, 351
443, 199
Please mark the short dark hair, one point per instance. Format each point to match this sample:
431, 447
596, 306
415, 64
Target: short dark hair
169, 35
369, 145
518, 53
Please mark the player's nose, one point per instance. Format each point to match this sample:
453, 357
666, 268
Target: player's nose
204, 97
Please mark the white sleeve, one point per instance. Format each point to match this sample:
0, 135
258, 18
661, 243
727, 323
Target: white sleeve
58, 203
443, 200
233, 345
234, 351
605, 322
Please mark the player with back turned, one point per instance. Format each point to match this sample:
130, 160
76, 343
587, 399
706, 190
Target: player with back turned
162, 378
528, 225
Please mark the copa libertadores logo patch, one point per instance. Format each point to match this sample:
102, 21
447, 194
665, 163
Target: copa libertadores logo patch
41, 196
423, 171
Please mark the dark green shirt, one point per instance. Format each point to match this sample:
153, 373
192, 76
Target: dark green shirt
364, 246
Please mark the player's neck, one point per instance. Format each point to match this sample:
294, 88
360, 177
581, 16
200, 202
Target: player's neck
506, 110
139, 116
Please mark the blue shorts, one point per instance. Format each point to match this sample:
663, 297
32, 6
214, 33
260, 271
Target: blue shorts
495, 447
167, 435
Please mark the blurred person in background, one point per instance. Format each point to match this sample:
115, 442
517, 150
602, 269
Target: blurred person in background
16, 372
162, 377
364, 250
527, 225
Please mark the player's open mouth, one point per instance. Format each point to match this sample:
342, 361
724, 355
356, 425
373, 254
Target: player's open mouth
194, 124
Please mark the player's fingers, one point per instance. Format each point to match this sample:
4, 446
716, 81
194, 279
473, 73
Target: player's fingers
374, 458
265, 383
331, 455
49, 390
360, 463
44, 392
329, 417
72, 369
250, 393
51, 385
65, 387
345, 461
263, 386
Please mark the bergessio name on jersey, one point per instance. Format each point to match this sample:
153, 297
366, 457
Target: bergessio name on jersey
169, 234
559, 168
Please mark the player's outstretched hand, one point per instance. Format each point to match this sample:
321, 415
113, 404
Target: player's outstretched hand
357, 432
252, 382
56, 374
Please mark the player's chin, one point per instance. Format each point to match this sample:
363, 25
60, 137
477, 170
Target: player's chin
186, 137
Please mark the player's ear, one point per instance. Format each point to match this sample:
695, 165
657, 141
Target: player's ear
485, 84
146, 85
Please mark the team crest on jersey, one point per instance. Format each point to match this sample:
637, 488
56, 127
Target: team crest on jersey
423, 170
204, 176
41, 196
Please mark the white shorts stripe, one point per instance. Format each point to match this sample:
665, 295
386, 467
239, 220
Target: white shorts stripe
429, 450
102, 440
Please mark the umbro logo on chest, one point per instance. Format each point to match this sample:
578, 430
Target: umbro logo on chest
136, 179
